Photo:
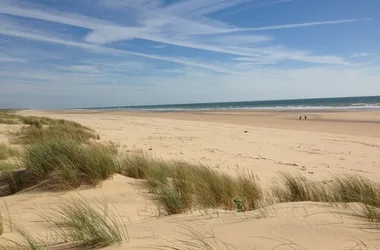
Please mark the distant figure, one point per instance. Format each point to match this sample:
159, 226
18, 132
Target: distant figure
305, 117
300, 117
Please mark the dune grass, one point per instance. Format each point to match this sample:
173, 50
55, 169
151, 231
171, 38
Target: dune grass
8, 117
90, 225
349, 188
44, 128
360, 192
7, 151
249, 191
295, 188
83, 224
25, 240
10, 121
68, 164
343, 189
55, 131
7, 174
213, 189
181, 186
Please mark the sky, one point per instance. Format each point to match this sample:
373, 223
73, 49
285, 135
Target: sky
96, 53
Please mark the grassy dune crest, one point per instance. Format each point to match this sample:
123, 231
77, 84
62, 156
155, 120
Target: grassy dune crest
68, 164
182, 186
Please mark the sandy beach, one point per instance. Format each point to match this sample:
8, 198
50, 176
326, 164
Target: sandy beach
325, 145
263, 142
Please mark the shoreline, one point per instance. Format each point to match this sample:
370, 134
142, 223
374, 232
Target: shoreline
290, 110
362, 123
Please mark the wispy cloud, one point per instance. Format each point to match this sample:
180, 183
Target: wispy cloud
363, 54
257, 5
24, 9
178, 24
10, 29
11, 59
294, 25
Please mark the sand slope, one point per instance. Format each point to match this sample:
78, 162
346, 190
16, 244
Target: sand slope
285, 226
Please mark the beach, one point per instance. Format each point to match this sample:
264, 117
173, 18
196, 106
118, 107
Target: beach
325, 145
263, 142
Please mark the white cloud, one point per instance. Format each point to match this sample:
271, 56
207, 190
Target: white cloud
257, 5
10, 29
363, 54
178, 24
82, 69
28, 10
294, 25
11, 59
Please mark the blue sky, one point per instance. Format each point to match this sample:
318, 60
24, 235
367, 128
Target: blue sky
82, 53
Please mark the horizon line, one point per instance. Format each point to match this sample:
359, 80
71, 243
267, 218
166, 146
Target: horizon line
222, 102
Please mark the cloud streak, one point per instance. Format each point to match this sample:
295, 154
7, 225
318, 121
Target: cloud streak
179, 24
12, 30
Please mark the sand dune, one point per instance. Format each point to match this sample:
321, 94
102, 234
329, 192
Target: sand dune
325, 145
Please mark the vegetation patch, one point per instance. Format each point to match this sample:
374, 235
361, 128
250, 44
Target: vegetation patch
59, 131
7, 151
181, 186
295, 188
91, 225
68, 164
10, 177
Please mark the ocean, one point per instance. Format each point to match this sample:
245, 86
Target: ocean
362, 103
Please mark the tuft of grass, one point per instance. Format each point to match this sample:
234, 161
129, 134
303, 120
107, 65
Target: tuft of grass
181, 186
10, 121
158, 177
34, 134
68, 164
371, 213
8, 174
6, 151
93, 226
109, 147
182, 178
293, 188
8, 117
249, 191
137, 165
355, 189
213, 189
172, 201
25, 241
35, 122
361, 190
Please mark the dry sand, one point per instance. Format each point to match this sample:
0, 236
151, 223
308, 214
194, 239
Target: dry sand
324, 145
